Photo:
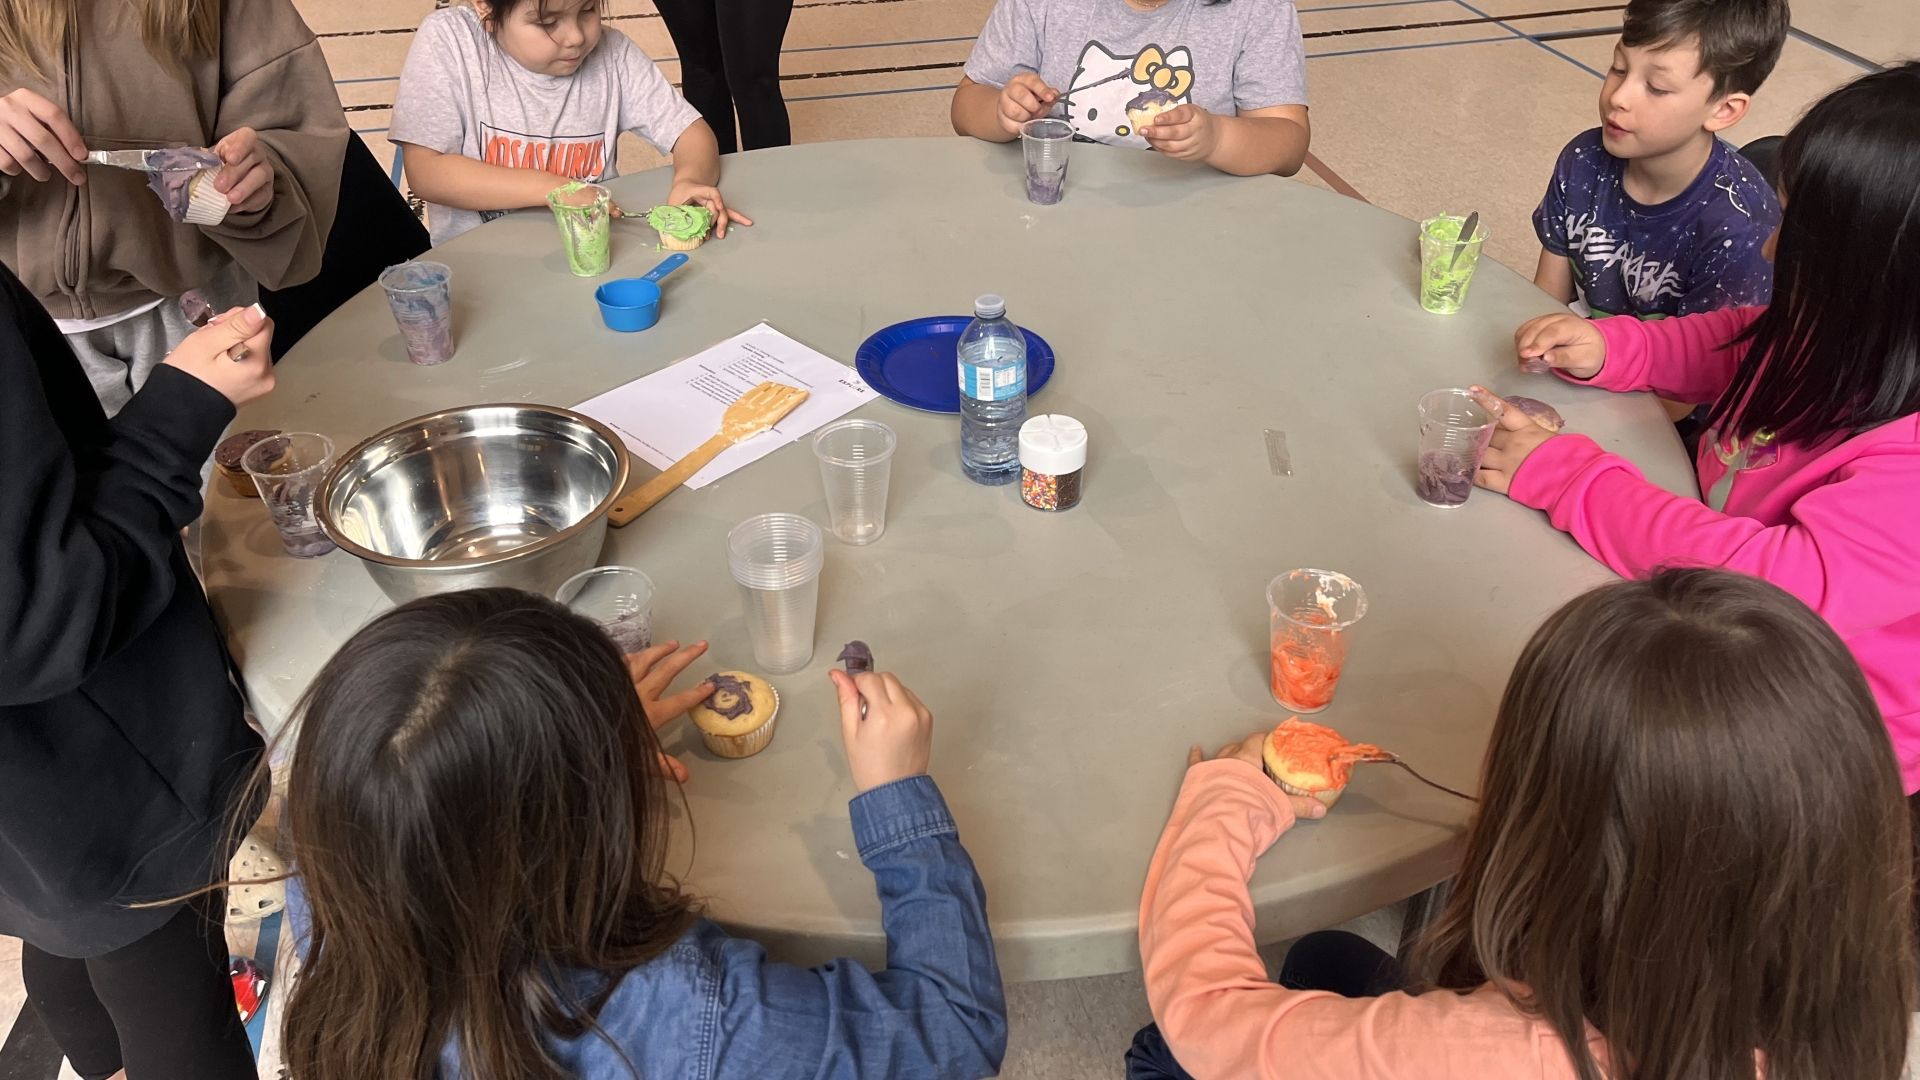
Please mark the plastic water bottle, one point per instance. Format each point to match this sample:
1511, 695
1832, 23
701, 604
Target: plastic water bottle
993, 394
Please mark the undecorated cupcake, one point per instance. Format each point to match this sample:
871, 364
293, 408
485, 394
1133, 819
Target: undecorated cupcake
1309, 759
737, 721
226, 461
681, 228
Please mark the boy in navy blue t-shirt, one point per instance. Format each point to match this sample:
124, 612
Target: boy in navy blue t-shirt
1651, 214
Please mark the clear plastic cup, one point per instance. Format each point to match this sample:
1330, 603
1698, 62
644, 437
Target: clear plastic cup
1454, 430
287, 470
776, 560
584, 213
619, 598
421, 296
1309, 614
1046, 143
856, 464
1443, 278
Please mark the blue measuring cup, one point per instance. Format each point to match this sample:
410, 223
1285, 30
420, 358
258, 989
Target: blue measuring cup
631, 304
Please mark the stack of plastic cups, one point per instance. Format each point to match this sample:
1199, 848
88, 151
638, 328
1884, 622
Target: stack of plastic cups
776, 560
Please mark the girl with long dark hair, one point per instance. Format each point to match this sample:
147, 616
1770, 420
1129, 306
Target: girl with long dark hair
1690, 859
1810, 471
480, 823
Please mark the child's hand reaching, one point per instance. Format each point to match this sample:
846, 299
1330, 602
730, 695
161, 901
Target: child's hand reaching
1025, 97
1515, 437
893, 739
684, 192
34, 134
652, 671
1187, 132
246, 177
1251, 750
1564, 341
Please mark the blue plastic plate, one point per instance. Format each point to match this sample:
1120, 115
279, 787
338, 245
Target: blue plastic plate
916, 363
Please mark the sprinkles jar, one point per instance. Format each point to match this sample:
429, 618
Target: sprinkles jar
1053, 457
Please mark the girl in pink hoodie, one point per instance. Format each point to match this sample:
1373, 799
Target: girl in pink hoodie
1810, 469
1690, 859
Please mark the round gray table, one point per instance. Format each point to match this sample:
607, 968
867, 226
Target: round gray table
1072, 658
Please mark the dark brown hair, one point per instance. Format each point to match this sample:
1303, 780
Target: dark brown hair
474, 810
1691, 836
1837, 352
1739, 40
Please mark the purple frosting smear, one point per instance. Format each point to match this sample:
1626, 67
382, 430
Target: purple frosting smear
857, 656
742, 703
171, 172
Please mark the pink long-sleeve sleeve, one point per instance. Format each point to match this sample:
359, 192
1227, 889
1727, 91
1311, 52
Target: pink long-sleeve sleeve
1683, 359
1223, 1017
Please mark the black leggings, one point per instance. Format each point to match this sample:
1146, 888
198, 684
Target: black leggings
730, 59
1347, 964
161, 1008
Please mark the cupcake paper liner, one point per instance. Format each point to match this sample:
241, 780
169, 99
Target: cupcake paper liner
749, 744
205, 204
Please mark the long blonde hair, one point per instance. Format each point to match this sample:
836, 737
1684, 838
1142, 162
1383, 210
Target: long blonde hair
33, 32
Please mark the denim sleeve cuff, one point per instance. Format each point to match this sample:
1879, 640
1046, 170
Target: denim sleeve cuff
897, 813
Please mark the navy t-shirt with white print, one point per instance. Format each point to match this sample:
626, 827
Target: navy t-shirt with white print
1699, 251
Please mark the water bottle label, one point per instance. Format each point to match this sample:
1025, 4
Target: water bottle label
992, 384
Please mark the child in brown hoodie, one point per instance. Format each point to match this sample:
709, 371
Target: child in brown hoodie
244, 78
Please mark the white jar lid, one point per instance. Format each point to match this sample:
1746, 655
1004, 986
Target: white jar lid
1053, 444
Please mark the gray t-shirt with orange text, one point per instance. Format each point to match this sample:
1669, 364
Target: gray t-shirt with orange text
460, 93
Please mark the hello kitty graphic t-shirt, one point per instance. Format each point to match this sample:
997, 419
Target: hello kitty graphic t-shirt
1120, 67
1699, 251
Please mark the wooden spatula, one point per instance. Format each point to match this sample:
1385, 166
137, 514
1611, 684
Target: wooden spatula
754, 412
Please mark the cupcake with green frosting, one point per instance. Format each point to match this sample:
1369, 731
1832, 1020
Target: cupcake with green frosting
681, 228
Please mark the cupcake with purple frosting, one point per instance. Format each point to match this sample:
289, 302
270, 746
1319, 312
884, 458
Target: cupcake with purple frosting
182, 177
737, 721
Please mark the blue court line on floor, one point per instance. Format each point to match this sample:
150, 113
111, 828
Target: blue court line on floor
1504, 25
1424, 45
394, 172
1831, 49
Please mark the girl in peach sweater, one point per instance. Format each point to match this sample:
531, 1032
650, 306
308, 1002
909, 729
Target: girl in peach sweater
1691, 859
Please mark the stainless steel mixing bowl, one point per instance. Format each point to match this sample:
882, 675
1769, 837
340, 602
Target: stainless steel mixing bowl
476, 496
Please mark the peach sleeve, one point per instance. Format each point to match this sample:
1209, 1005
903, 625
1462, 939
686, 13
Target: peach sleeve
1223, 1016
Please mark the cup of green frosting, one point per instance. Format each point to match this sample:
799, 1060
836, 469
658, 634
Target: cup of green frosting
584, 213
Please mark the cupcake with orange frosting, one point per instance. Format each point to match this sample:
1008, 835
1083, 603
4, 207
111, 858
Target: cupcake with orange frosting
1309, 759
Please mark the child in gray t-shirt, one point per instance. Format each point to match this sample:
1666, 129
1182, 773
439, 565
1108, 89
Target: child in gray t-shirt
1219, 81
501, 103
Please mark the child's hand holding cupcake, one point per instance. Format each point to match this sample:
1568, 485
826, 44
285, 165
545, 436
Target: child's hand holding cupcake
1187, 132
653, 670
1252, 750
893, 740
689, 192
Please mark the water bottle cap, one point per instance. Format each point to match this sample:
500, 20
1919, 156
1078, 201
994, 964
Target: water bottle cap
1053, 444
990, 306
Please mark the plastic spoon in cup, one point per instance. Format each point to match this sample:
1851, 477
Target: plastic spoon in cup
1466, 235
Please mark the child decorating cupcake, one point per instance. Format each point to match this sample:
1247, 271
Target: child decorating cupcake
1211, 81
477, 787
1690, 859
503, 102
